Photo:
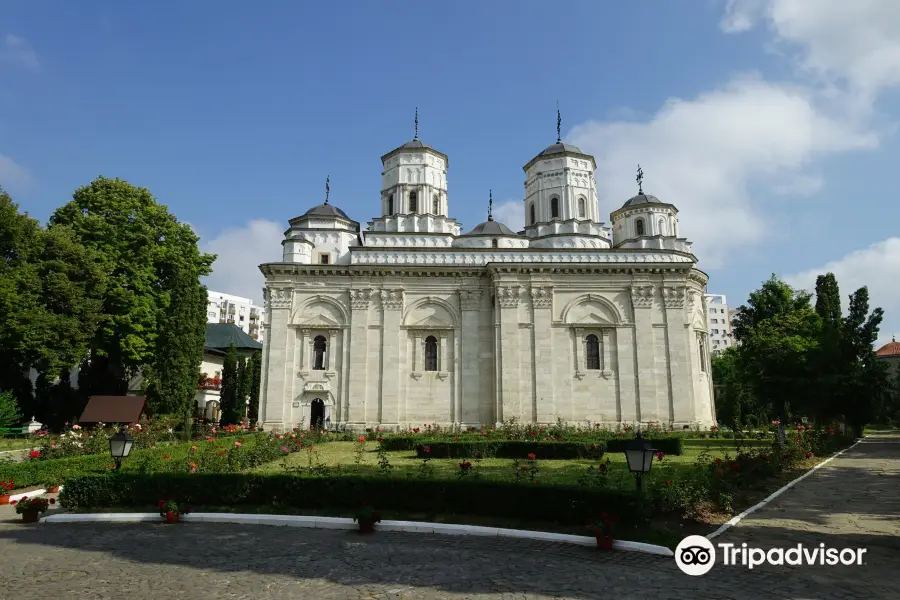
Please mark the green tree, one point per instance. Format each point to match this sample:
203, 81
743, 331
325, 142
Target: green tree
243, 384
255, 368
143, 251
733, 396
50, 298
778, 330
228, 395
867, 381
9, 410
829, 361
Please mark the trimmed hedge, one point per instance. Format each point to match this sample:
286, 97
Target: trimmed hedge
510, 449
668, 445
562, 504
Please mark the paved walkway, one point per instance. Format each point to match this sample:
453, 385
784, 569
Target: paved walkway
854, 501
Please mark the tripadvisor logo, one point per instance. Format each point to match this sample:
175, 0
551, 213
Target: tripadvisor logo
696, 555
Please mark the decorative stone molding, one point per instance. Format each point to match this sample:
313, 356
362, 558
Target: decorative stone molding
508, 296
470, 299
359, 299
673, 297
303, 374
542, 297
417, 375
392, 299
330, 374
642, 296
442, 375
461, 257
280, 297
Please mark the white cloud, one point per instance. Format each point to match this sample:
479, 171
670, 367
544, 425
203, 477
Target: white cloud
702, 155
877, 267
240, 252
854, 44
12, 175
511, 213
16, 50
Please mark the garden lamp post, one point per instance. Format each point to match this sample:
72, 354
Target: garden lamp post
120, 446
639, 455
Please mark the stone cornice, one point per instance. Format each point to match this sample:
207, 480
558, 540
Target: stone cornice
508, 296
278, 297
476, 257
284, 273
392, 299
359, 299
542, 296
673, 297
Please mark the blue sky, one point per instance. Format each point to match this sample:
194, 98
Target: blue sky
771, 124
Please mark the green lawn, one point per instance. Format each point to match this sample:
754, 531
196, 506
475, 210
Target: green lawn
404, 462
16, 443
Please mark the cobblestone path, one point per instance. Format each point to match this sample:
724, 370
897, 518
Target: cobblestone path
852, 502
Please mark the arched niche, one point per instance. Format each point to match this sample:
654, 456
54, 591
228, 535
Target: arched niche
430, 313
320, 311
591, 309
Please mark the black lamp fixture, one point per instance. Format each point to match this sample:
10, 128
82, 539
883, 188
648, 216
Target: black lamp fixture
639, 455
120, 446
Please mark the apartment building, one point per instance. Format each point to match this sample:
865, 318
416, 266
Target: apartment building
719, 322
242, 312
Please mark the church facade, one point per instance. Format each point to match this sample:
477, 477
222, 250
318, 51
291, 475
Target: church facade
412, 321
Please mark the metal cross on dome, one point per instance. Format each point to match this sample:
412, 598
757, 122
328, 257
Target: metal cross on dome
417, 124
640, 180
490, 205
327, 187
558, 124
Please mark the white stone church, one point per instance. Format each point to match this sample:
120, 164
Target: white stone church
412, 321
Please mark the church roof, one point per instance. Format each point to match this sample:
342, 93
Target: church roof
560, 147
326, 210
220, 336
642, 199
491, 227
414, 145
890, 349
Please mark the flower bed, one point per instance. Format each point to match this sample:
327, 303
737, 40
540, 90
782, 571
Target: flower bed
510, 449
564, 504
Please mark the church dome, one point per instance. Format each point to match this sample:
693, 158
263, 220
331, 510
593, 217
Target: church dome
326, 210
491, 227
890, 349
560, 147
642, 199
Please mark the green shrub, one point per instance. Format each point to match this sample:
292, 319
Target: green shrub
465, 496
667, 445
510, 449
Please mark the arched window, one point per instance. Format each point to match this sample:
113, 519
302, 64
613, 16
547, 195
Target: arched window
554, 208
639, 227
662, 227
593, 352
435, 205
533, 219
431, 353
494, 243
581, 208
390, 206
319, 347
702, 354
413, 202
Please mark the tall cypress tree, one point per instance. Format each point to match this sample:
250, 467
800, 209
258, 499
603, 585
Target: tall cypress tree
255, 369
828, 360
866, 379
243, 385
229, 390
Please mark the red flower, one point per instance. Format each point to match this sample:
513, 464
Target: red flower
362, 439
13, 501
52, 500
596, 424
660, 455
718, 460
379, 439
735, 466
427, 449
809, 455
532, 456
237, 444
161, 504
166, 457
35, 454
416, 430
619, 433
668, 482
542, 428
719, 473
534, 433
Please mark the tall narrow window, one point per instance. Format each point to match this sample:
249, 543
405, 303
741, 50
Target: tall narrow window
533, 218
390, 206
593, 352
431, 353
639, 227
702, 354
494, 243
435, 205
581, 207
319, 348
554, 208
413, 202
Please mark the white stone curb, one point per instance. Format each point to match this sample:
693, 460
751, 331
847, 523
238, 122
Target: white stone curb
18, 497
345, 523
738, 518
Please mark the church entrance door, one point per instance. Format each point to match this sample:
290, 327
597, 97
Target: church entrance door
317, 414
